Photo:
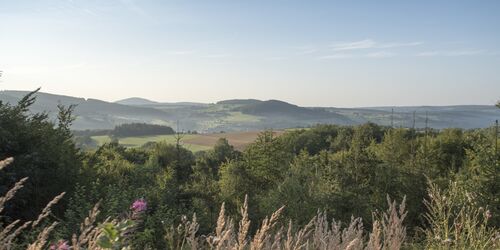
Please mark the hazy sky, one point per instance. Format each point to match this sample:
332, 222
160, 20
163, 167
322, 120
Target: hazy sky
312, 53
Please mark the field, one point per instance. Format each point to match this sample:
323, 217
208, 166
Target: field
192, 142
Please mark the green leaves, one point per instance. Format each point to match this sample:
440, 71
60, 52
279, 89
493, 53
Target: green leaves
113, 235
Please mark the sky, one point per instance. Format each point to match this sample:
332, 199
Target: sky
310, 53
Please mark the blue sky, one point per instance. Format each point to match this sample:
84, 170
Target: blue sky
312, 53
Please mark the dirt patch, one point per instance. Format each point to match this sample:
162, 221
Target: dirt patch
238, 139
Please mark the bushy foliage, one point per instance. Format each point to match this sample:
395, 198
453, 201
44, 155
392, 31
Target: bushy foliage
44, 152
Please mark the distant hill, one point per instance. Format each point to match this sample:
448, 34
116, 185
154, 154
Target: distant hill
250, 114
90, 113
280, 108
136, 101
239, 102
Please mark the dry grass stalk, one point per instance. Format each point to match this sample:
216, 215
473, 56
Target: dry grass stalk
89, 232
12, 231
221, 222
12, 192
352, 236
374, 243
456, 221
42, 238
393, 230
223, 238
388, 232
190, 229
6, 162
278, 239
262, 236
244, 226
299, 240
46, 211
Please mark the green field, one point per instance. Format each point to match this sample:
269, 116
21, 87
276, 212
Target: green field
138, 141
238, 117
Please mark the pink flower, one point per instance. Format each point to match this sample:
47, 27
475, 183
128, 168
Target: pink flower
139, 206
60, 245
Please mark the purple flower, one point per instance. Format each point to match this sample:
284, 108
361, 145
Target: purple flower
139, 206
60, 245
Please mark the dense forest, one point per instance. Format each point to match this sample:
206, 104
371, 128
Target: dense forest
129, 129
440, 188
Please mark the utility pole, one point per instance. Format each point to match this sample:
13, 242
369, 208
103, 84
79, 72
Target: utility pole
426, 138
496, 139
414, 121
392, 118
178, 137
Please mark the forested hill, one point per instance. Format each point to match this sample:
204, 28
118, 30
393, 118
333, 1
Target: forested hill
90, 113
251, 114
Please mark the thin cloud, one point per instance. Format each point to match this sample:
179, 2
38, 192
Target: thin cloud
182, 52
381, 54
307, 52
337, 56
395, 45
276, 58
304, 50
451, 53
371, 44
218, 56
364, 44
378, 54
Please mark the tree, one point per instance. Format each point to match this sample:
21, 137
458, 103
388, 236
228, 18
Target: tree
174, 157
44, 152
267, 160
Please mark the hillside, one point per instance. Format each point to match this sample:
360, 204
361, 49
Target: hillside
239, 102
137, 101
251, 114
90, 113
280, 108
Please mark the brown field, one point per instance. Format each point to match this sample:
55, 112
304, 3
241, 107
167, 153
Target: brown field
238, 139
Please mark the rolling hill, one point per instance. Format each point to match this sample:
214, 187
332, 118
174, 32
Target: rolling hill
250, 114
90, 113
136, 101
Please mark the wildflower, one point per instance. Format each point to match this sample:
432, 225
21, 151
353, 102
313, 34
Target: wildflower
139, 206
60, 245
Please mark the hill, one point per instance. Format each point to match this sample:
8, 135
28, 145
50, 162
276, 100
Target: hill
251, 114
90, 113
239, 102
280, 108
137, 101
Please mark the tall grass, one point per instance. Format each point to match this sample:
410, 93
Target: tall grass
456, 221
387, 232
9, 233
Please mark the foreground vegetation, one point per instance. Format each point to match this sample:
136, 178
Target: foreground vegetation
446, 184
